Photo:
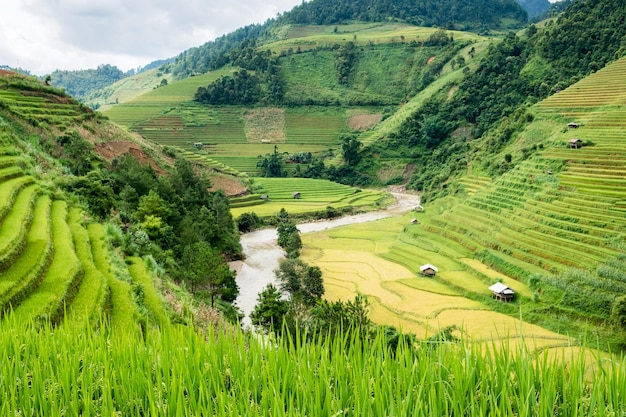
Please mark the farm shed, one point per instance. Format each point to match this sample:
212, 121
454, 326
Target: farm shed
572, 125
264, 197
414, 221
575, 143
502, 292
428, 270
296, 194
198, 145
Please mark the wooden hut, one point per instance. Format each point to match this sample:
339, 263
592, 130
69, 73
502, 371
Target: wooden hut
296, 194
502, 292
428, 270
198, 145
575, 143
573, 125
264, 197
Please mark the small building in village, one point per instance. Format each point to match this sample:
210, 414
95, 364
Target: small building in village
575, 143
502, 292
428, 270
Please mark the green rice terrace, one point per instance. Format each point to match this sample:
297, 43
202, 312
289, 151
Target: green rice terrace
305, 195
318, 108
553, 229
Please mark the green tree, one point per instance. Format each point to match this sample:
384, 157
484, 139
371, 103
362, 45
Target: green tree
350, 147
303, 282
271, 165
203, 267
152, 205
289, 238
270, 309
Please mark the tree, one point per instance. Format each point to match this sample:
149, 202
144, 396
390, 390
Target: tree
289, 238
270, 309
152, 205
350, 147
272, 164
203, 266
303, 282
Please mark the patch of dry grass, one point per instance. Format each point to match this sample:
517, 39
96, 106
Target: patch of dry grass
265, 125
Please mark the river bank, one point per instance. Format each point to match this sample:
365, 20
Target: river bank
263, 255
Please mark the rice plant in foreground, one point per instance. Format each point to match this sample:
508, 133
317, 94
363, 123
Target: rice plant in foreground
179, 371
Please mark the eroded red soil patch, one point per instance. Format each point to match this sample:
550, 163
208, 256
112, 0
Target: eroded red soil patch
111, 150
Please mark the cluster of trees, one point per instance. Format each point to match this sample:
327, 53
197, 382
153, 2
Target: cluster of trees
264, 83
214, 54
174, 218
452, 14
242, 88
296, 305
346, 57
81, 83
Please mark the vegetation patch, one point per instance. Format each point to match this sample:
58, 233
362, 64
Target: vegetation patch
265, 125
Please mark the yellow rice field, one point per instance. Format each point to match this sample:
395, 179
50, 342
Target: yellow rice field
351, 261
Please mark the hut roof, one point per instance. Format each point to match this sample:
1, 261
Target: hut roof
428, 266
500, 288
575, 140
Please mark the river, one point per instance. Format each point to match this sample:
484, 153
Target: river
262, 254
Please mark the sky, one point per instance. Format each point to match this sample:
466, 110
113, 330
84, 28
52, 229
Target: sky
42, 36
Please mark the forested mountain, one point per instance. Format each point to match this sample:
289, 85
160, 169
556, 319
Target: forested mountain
452, 14
82, 82
481, 16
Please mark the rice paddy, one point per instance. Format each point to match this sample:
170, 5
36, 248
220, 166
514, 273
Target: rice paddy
531, 220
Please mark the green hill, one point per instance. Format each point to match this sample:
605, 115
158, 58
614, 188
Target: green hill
65, 236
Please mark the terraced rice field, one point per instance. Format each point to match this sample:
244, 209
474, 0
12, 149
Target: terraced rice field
53, 266
314, 197
560, 214
42, 106
232, 135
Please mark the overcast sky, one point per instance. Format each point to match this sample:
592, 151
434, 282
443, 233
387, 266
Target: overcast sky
44, 35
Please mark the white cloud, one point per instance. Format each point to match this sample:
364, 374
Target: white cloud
44, 35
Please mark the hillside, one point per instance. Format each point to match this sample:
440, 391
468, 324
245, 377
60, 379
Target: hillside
552, 228
316, 110
80, 208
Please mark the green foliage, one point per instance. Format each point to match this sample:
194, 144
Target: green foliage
204, 269
349, 318
458, 14
96, 192
345, 60
288, 236
81, 83
350, 149
241, 88
248, 222
119, 375
270, 310
272, 164
618, 311
303, 282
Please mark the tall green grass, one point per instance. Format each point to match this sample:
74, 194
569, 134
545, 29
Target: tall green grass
223, 372
124, 312
62, 279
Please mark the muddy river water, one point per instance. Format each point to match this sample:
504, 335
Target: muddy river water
262, 253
